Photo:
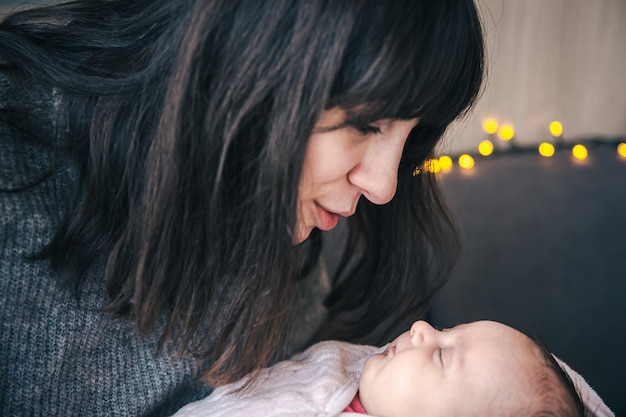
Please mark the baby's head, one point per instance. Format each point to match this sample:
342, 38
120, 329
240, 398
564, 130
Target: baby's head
482, 368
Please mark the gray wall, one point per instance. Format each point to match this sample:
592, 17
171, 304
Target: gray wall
551, 59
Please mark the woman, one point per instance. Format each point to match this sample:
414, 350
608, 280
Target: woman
163, 163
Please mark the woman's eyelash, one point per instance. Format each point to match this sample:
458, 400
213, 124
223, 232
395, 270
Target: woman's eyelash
367, 129
441, 356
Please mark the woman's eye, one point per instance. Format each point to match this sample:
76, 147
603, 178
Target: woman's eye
367, 129
441, 356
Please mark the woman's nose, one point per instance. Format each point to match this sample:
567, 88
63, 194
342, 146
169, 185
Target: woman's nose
376, 175
422, 332
378, 186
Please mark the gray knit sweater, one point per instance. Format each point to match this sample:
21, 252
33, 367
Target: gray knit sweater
59, 356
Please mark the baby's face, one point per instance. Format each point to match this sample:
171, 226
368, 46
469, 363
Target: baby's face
478, 368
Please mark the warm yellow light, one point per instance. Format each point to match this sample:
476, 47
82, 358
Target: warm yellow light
546, 149
485, 148
490, 125
621, 149
445, 162
466, 161
506, 132
556, 129
432, 165
579, 152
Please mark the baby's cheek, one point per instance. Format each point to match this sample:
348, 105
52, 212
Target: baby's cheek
413, 384
375, 387
367, 379
406, 384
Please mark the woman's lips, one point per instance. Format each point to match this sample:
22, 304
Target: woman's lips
326, 220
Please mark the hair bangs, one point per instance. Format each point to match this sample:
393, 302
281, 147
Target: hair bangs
394, 70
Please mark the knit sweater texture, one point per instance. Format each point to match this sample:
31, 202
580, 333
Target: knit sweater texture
59, 354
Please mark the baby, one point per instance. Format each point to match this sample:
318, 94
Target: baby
481, 368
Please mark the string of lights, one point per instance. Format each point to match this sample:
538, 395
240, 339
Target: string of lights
506, 133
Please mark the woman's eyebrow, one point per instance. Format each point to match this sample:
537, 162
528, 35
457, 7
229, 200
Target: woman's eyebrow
326, 129
346, 122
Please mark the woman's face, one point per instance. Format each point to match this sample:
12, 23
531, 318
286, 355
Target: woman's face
343, 162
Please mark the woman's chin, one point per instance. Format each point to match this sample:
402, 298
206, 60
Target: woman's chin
302, 234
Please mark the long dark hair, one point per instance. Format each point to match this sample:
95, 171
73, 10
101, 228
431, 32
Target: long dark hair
189, 121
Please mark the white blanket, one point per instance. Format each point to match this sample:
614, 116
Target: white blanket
320, 382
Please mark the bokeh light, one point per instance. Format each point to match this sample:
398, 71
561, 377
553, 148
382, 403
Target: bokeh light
490, 125
485, 148
466, 161
556, 129
445, 162
546, 149
621, 150
580, 152
432, 165
506, 132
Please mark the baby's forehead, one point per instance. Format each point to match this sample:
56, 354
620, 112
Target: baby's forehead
532, 347
530, 351
525, 369
532, 365
516, 352
495, 332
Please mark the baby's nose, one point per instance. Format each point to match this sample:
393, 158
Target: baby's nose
421, 331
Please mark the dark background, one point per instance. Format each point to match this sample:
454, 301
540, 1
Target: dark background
545, 252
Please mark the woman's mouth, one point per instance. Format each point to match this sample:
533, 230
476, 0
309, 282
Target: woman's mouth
326, 220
